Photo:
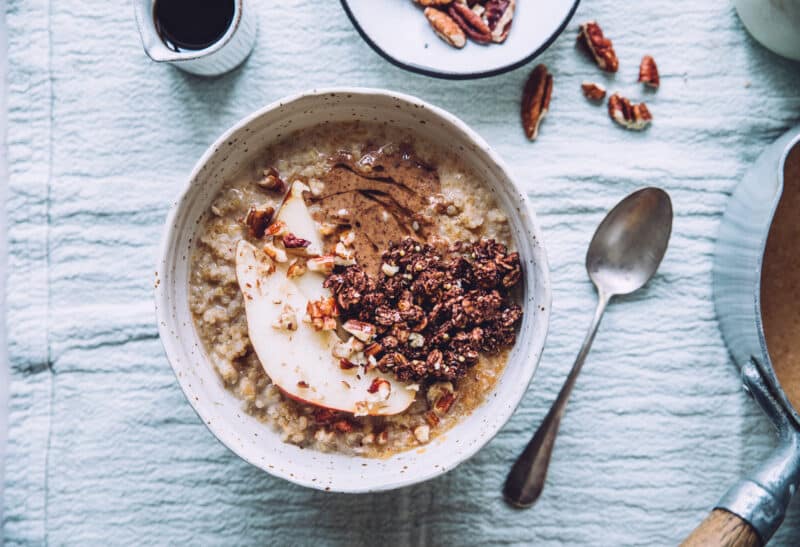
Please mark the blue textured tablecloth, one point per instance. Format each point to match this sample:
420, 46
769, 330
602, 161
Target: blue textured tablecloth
102, 443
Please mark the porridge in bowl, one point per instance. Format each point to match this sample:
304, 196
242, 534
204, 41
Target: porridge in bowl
356, 288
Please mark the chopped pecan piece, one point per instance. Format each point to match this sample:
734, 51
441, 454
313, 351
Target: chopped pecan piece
445, 27
324, 415
257, 220
360, 329
291, 241
287, 319
599, 46
432, 419
345, 364
379, 390
297, 267
648, 72
441, 396
271, 180
277, 229
422, 433
373, 350
434, 3
322, 264
536, 100
322, 313
444, 403
344, 350
276, 254
593, 91
470, 22
377, 384
635, 117
342, 426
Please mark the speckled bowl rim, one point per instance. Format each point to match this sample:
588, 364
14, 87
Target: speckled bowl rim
529, 357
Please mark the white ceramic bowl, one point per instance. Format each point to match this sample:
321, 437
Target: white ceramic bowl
400, 33
254, 441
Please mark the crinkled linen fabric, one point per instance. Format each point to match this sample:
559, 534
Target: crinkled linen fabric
102, 443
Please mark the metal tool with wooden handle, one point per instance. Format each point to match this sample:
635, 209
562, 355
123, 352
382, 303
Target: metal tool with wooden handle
752, 509
757, 503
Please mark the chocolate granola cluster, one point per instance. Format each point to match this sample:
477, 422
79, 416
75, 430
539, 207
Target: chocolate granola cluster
433, 311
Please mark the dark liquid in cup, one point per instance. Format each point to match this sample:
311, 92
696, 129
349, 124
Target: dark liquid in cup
192, 24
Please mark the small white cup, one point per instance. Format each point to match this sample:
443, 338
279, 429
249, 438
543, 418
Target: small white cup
222, 56
774, 23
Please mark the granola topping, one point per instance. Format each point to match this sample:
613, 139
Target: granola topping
433, 322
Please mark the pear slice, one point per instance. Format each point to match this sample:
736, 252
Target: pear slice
301, 362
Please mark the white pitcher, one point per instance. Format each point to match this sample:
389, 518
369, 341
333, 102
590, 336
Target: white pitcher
223, 55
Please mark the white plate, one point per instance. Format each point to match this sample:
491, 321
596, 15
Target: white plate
399, 31
253, 440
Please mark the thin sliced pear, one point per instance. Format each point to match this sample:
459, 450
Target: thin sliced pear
301, 362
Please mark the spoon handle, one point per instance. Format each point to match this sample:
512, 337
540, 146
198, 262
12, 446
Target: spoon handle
525, 481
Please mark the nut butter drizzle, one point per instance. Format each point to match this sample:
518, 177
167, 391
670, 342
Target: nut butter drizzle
385, 195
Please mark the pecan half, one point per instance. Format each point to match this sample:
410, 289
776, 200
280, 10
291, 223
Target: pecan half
445, 27
257, 220
536, 100
600, 47
271, 180
593, 91
498, 15
648, 72
630, 116
470, 22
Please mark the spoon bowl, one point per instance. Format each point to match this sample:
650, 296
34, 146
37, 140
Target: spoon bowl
630, 242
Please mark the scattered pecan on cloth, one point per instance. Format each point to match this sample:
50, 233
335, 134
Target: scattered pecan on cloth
434, 311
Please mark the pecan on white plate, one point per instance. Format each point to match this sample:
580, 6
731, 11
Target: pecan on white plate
445, 27
498, 15
470, 22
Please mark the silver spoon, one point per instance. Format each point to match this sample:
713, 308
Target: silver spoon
624, 254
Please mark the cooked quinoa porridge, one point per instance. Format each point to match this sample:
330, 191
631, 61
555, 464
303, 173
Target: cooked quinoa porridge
387, 325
